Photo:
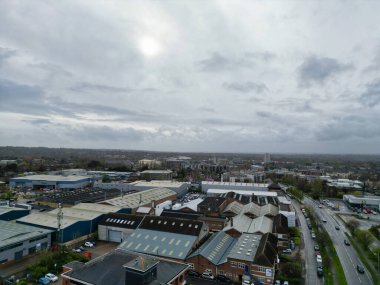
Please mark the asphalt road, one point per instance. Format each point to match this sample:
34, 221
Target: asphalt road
310, 259
347, 254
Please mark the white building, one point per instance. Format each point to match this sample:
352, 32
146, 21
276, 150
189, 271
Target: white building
206, 185
50, 181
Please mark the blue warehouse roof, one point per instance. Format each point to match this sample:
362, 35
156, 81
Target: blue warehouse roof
159, 243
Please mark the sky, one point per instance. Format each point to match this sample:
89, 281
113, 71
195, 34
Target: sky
194, 75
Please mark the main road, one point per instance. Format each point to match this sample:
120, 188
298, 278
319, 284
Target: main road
347, 255
310, 259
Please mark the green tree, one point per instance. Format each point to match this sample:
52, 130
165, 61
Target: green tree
365, 238
316, 188
106, 179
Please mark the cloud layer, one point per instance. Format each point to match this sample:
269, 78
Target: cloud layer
247, 76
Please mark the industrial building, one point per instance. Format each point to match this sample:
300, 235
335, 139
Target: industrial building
156, 175
117, 227
224, 193
372, 202
77, 221
17, 240
120, 267
180, 188
166, 237
231, 186
50, 182
8, 213
147, 198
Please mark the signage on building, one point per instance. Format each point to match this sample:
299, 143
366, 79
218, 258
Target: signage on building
268, 272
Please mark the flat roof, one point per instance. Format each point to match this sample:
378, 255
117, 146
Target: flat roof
243, 192
49, 220
97, 207
11, 233
6, 209
246, 247
217, 183
156, 172
78, 213
158, 183
135, 200
52, 178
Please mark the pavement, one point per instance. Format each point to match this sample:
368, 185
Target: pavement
347, 254
311, 277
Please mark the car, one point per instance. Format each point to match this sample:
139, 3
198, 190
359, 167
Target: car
88, 244
287, 251
222, 278
324, 220
346, 242
319, 271
319, 258
81, 248
51, 277
285, 283
374, 212
365, 211
192, 273
313, 235
337, 228
360, 268
208, 275
320, 206
246, 282
43, 281
77, 250
277, 282
316, 247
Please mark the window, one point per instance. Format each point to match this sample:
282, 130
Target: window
261, 279
261, 269
241, 265
233, 264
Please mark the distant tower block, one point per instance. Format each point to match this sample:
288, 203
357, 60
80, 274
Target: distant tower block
267, 158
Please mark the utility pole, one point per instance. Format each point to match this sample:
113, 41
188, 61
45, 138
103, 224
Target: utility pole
59, 220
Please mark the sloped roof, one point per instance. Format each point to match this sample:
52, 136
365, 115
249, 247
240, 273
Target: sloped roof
234, 207
172, 225
121, 220
244, 224
216, 248
267, 251
159, 243
280, 224
246, 247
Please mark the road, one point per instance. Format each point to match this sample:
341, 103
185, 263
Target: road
347, 254
310, 260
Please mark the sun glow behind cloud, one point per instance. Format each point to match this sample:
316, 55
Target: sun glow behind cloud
149, 46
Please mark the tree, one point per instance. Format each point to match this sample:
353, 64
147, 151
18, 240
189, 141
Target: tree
316, 188
353, 225
106, 179
94, 165
365, 238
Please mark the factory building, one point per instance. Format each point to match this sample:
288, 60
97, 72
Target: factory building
8, 213
77, 221
17, 240
50, 182
372, 202
231, 186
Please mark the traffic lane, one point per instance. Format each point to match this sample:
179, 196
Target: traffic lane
347, 255
310, 261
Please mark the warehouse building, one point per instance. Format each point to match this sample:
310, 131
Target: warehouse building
156, 175
206, 185
77, 221
120, 267
147, 198
17, 240
8, 213
372, 202
180, 188
117, 227
50, 182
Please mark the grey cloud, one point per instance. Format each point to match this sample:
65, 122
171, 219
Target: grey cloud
349, 127
105, 133
88, 87
52, 68
6, 53
215, 62
221, 122
371, 97
265, 56
246, 87
38, 121
319, 69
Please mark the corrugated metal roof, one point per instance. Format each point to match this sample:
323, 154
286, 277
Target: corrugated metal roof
158, 243
48, 220
246, 247
11, 233
97, 207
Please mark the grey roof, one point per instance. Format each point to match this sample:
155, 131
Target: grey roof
11, 233
108, 269
159, 243
216, 248
6, 209
246, 247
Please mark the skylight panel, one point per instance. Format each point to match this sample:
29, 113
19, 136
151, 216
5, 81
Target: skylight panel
178, 242
171, 241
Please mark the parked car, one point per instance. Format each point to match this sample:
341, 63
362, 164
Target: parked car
316, 247
346, 242
193, 273
51, 277
319, 271
360, 268
313, 235
88, 244
222, 278
319, 258
285, 283
320, 206
277, 282
287, 251
43, 281
208, 275
77, 250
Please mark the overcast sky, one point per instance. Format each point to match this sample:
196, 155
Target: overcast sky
220, 76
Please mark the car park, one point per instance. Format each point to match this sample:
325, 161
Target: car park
51, 277
208, 275
360, 268
346, 242
222, 278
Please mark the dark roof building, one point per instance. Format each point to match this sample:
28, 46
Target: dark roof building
172, 225
212, 206
266, 254
121, 267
